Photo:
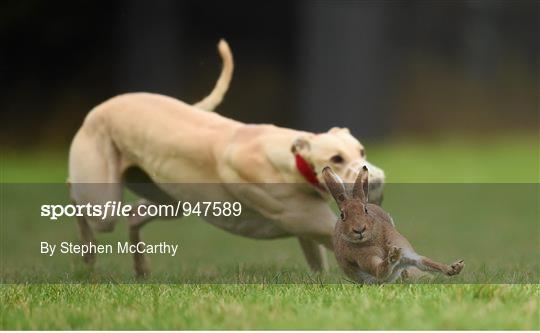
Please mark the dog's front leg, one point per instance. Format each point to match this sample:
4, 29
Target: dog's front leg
315, 255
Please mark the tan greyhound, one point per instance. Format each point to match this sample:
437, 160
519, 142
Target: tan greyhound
274, 172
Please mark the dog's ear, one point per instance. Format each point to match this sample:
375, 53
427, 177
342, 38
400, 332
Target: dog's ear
339, 129
335, 185
300, 145
361, 185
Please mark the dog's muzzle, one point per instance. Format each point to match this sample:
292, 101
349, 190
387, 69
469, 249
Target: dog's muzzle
376, 192
376, 179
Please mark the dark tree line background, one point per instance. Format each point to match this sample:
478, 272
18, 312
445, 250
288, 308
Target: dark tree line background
382, 69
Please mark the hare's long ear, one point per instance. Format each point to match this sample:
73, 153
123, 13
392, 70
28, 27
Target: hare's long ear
361, 186
335, 185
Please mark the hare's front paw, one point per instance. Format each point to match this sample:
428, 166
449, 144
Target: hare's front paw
395, 254
456, 267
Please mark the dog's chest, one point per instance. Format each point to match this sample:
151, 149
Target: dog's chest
242, 220
250, 224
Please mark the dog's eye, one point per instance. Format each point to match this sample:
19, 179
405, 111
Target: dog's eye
336, 159
362, 153
342, 216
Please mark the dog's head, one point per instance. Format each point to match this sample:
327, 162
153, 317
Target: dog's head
341, 151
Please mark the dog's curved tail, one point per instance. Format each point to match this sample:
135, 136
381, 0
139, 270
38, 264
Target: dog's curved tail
215, 98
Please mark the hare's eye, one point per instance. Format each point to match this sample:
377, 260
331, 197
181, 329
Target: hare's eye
365, 209
337, 159
342, 216
362, 153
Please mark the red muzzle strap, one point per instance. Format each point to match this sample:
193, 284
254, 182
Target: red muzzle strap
307, 171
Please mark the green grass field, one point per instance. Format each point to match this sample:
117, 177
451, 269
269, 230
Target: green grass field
266, 285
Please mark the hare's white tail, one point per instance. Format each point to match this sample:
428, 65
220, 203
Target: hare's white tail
215, 98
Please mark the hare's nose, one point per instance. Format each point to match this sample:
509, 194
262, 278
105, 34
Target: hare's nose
359, 231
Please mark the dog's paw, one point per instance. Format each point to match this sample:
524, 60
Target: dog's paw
395, 254
456, 268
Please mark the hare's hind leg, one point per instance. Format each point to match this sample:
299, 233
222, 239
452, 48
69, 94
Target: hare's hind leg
428, 265
449, 270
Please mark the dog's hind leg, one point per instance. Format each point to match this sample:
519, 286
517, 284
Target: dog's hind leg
315, 255
135, 223
85, 233
138, 182
94, 179
87, 237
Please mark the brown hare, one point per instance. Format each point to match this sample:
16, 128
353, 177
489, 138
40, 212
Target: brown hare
367, 246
